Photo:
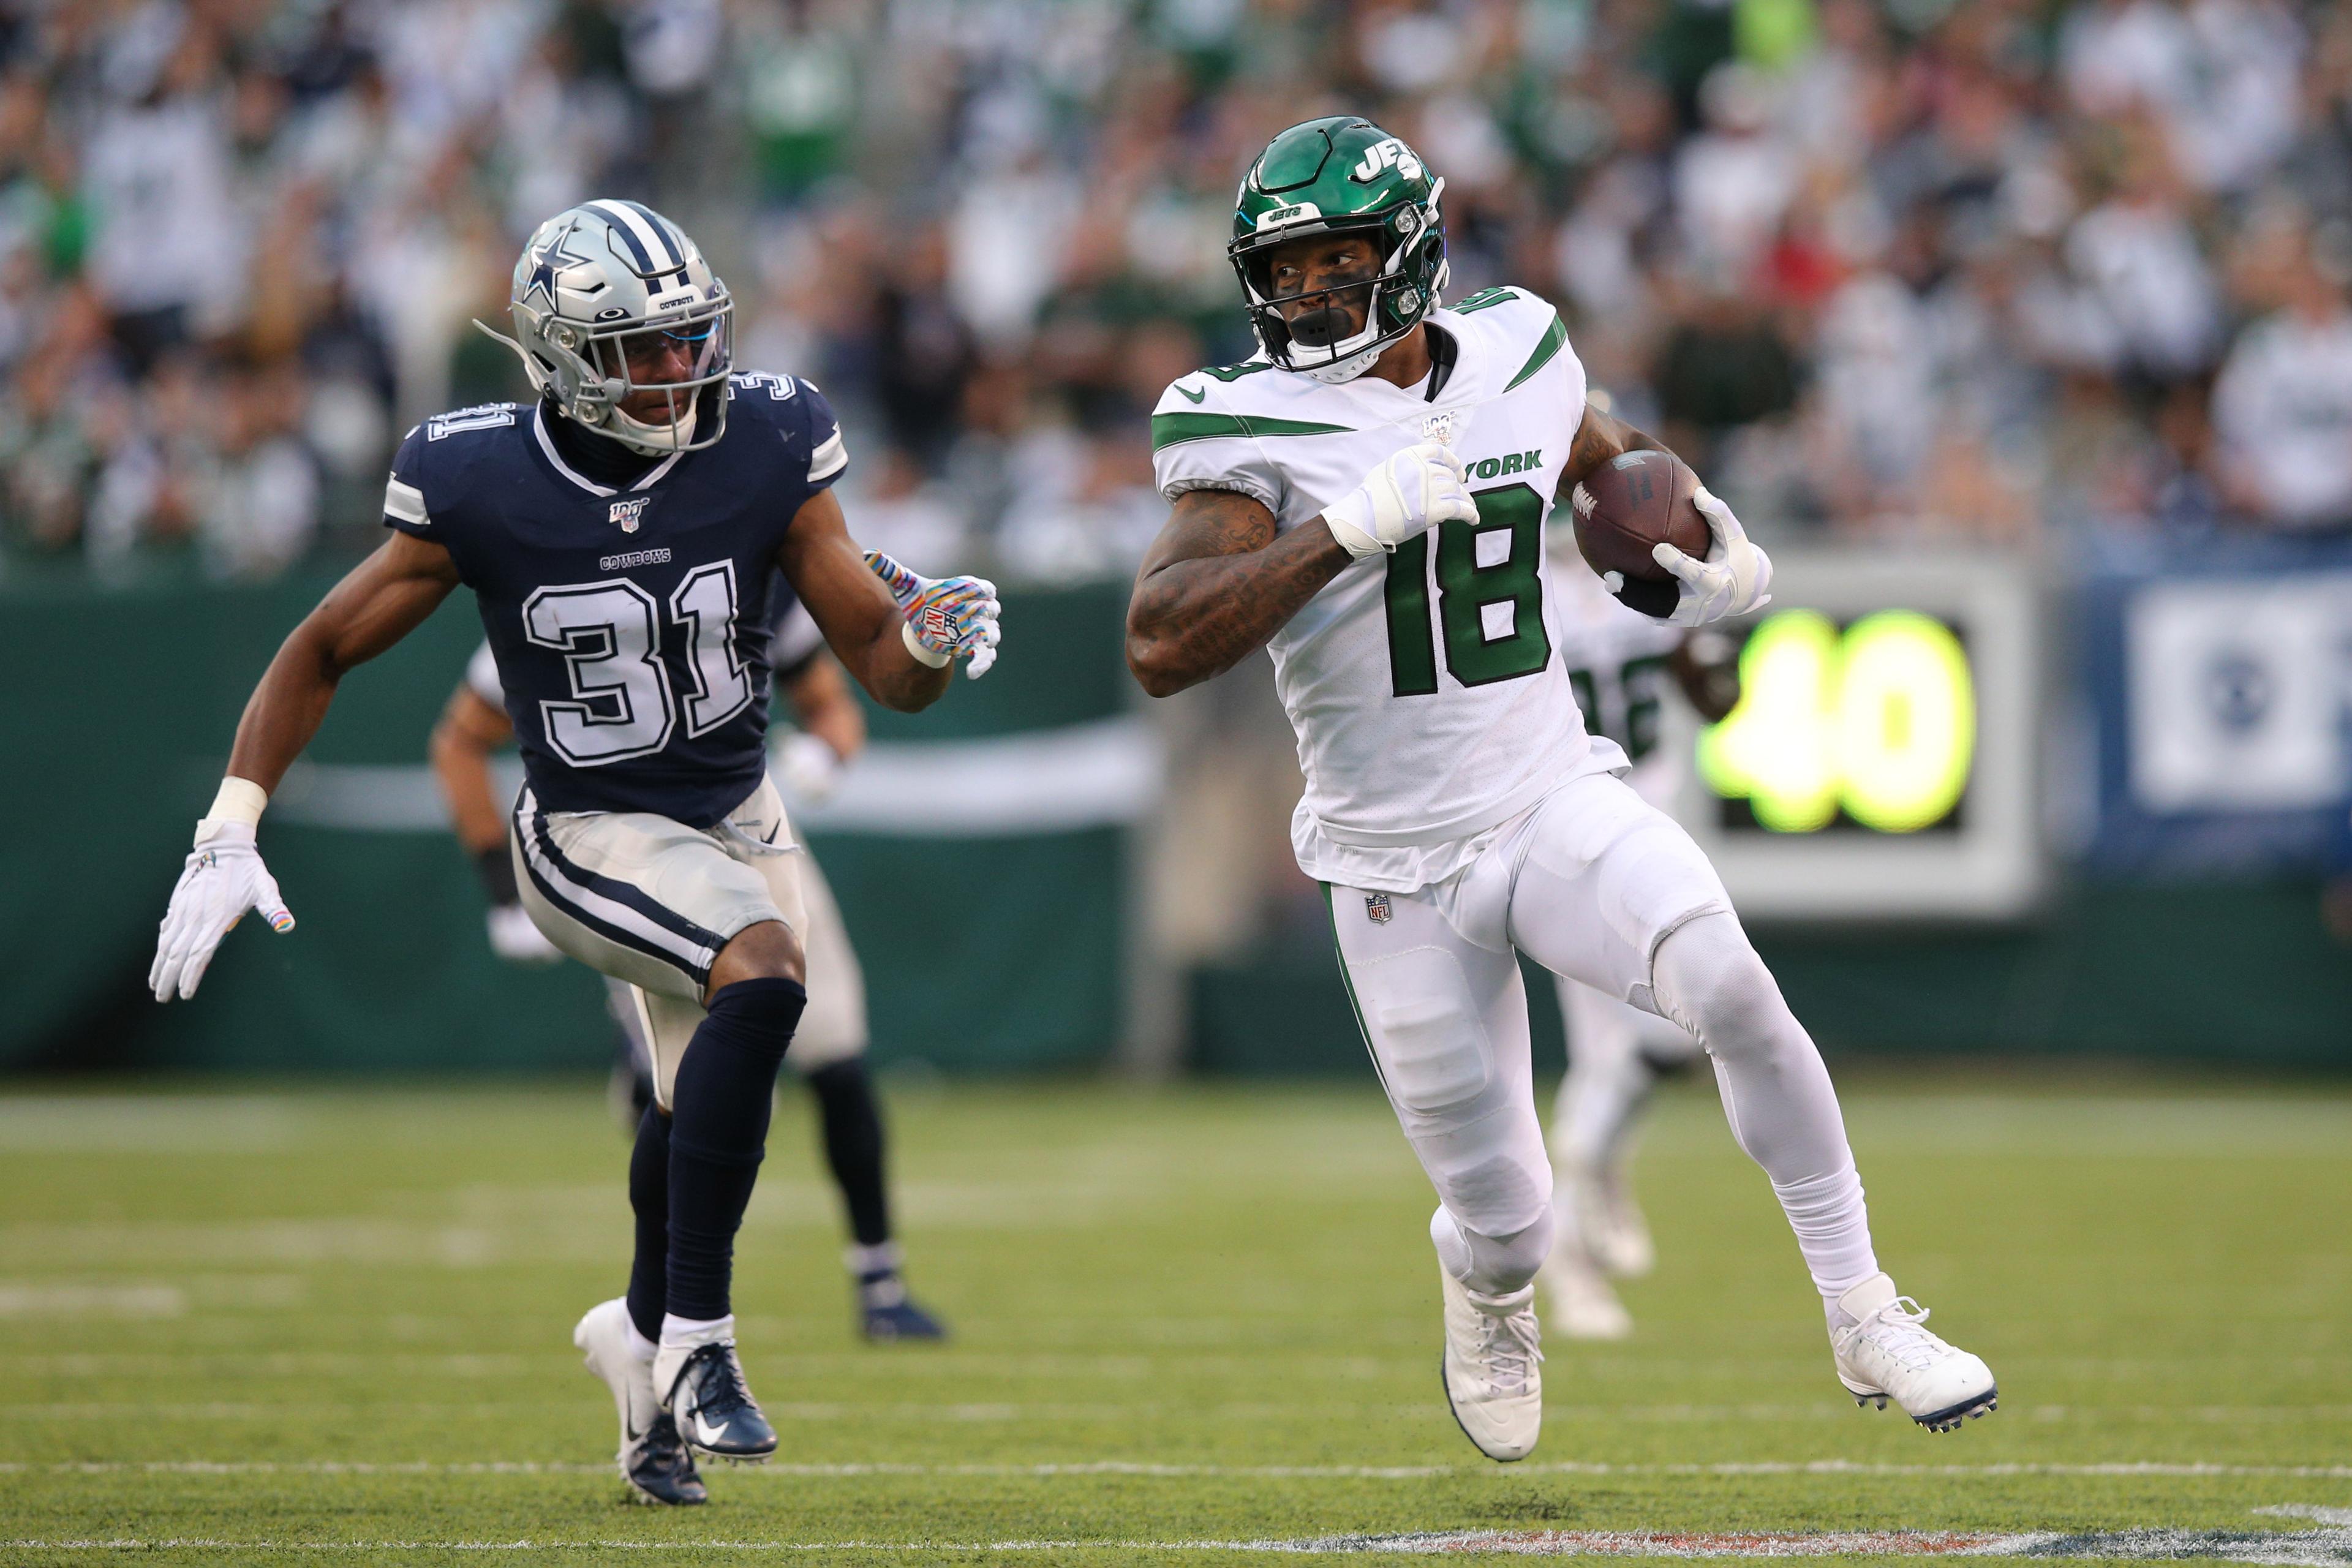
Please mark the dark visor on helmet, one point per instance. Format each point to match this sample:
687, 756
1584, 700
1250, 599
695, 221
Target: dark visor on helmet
663, 355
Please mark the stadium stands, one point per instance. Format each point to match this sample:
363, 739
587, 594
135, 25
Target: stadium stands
1993, 271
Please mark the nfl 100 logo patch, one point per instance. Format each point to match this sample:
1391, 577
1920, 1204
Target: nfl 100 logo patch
628, 513
1377, 908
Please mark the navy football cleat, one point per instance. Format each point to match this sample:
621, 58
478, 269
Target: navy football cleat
659, 1467
886, 1312
715, 1412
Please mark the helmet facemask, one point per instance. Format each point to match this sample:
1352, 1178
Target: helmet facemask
625, 360
1409, 241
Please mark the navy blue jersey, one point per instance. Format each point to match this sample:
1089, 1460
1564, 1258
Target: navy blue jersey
630, 625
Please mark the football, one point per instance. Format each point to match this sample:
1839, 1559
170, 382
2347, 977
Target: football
1634, 502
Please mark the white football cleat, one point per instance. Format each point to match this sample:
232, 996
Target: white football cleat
1578, 1300
1885, 1351
1492, 1368
653, 1460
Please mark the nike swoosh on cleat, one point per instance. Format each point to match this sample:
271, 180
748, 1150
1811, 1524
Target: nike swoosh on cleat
1198, 396
704, 1432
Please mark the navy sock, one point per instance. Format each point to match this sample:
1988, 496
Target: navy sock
718, 1133
853, 1145
649, 1200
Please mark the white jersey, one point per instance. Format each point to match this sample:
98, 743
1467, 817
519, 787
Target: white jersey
1429, 702
1616, 660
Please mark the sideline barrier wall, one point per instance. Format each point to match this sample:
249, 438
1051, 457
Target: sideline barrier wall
979, 861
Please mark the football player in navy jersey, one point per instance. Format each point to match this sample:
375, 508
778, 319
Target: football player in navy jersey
618, 536
829, 1049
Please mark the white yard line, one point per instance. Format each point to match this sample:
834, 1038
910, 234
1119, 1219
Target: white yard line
2164, 1470
2297, 1549
989, 1411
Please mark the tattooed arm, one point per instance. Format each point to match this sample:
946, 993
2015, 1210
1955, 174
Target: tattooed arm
1217, 583
1600, 438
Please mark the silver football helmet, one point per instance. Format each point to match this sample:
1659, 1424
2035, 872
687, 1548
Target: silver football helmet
611, 300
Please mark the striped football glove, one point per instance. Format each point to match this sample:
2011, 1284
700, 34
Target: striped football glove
947, 617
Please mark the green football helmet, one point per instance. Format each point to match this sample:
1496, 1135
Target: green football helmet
1339, 174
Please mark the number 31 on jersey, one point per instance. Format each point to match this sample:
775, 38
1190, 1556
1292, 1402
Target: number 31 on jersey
610, 636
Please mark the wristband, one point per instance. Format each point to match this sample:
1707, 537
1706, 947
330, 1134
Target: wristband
239, 801
1341, 518
496, 868
922, 655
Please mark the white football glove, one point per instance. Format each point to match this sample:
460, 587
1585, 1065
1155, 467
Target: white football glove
223, 878
1406, 494
809, 769
947, 617
1733, 578
515, 938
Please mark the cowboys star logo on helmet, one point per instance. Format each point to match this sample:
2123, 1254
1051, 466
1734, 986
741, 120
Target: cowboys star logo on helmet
609, 285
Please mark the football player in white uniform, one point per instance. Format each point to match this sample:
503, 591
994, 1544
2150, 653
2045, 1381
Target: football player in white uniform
1621, 664
829, 1049
1365, 499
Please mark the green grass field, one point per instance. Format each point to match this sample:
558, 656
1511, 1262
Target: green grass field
248, 1321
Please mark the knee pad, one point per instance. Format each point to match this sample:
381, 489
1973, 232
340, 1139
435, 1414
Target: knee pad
1711, 981
756, 1016
1490, 1265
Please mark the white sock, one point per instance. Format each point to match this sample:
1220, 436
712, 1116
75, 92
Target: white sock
1452, 1247
1776, 1093
862, 1261
1490, 1266
676, 1330
1832, 1226
639, 1346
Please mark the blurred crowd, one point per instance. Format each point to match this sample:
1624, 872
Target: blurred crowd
2007, 271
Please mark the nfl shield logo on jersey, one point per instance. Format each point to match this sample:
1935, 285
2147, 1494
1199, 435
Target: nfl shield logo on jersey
1376, 908
627, 512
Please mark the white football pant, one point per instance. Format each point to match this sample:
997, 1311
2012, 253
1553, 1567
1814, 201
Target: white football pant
1615, 1050
832, 1028
1597, 885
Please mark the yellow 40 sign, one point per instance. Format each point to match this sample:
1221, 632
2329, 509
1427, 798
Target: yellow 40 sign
1880, 719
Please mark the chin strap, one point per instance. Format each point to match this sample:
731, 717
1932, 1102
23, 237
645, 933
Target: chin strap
1342, 371
649, 442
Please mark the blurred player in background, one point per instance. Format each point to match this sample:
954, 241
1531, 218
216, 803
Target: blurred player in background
829, 1051
1620, 663
1455, 810
625, 538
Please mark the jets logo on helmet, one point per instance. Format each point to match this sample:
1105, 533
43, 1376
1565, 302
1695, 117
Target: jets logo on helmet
1340, 175
1389, 155
612, 300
